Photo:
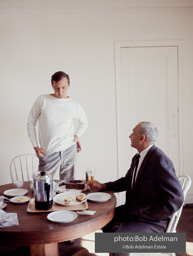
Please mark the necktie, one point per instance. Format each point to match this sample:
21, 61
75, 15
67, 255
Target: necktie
135, 171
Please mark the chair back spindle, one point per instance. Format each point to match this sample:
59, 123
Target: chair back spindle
23, 166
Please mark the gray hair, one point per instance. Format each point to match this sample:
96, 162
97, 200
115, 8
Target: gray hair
149, 130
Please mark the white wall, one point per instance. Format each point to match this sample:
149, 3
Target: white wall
78, 37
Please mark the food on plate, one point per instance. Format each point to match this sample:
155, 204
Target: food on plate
68, 200
21, 199
80, 197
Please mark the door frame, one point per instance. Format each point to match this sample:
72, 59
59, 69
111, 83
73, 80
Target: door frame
157, 43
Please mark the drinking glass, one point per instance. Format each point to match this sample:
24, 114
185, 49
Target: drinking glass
90, 173
18, 183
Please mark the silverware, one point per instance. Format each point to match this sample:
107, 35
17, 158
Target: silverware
6, 199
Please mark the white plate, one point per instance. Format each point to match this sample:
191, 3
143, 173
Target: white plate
16, 192
59, 199
99, 197
62, 216
3, 206
20, 199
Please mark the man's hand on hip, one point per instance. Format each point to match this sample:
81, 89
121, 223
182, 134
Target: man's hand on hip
76, 139
39, 151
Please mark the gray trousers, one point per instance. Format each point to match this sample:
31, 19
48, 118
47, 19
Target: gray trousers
134, 226
64, 161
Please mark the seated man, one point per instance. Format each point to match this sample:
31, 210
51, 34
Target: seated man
153, 192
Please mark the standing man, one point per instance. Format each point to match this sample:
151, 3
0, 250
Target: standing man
153, 192
57, 143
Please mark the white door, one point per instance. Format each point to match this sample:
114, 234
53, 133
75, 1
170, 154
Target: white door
147, 90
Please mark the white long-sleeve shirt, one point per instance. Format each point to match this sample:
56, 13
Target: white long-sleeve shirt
55, 120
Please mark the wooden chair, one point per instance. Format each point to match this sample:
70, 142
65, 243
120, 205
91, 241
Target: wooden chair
185, 181
23, 166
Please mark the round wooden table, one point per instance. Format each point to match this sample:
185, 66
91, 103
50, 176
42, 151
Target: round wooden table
42, 235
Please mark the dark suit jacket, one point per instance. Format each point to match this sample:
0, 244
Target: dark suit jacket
157, 193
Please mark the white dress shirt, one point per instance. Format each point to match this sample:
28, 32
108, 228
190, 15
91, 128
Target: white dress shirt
142, 156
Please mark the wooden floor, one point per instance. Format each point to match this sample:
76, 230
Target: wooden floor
186, 222
185, 225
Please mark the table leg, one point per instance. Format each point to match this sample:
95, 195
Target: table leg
44, 250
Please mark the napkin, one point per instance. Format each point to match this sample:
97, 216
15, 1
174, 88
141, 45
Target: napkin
85, 212
8, 219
